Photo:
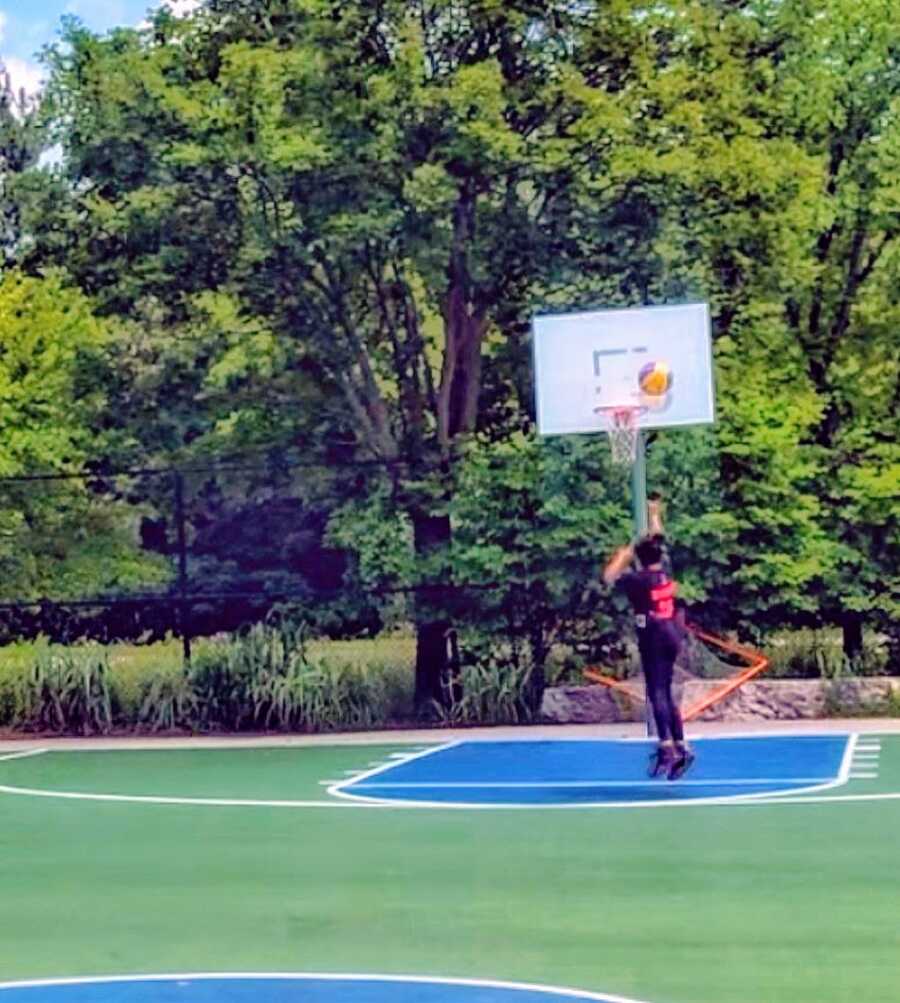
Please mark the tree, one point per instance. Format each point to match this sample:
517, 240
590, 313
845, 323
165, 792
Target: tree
838, 85
56, 538
20, 147
399, 184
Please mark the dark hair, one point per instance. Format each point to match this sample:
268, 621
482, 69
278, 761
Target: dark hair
649, 550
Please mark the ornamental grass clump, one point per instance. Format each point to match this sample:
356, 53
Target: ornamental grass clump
494, 684
67, 690
266, 680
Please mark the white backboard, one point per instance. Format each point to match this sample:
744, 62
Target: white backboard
585, 361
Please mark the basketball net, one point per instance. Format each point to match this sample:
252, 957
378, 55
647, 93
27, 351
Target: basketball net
622, 426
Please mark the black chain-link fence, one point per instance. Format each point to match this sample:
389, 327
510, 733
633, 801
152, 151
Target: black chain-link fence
140, 554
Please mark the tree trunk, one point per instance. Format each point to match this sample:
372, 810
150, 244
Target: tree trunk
852, 627
433, 685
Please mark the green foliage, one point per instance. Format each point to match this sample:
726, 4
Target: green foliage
49, 390
169, 704
535, 520
265, 679
20, 147
324, 223
819, 654
844, 699
57, 538
67, 690
492, 687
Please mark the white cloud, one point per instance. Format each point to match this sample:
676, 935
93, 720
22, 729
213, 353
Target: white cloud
23, 74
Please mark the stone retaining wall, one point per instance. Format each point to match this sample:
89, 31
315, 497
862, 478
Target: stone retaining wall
759, 699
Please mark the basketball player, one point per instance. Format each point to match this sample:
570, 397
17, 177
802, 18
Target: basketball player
651, 592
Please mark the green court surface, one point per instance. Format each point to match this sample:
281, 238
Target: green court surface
765, 902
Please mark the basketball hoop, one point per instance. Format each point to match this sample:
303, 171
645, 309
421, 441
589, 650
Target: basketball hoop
623, 429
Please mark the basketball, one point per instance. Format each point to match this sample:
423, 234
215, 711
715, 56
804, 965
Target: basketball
655, 378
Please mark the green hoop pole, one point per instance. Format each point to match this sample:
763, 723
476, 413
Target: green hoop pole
639, 520
639, 488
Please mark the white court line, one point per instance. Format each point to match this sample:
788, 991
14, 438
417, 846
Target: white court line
736, 801
336, 790
576, 994
165, 799
788, 797
815, 785
22, 755
863, 776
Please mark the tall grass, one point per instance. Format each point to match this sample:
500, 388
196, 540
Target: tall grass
819, 654
495, 683
68, 691
270, 679
273, 677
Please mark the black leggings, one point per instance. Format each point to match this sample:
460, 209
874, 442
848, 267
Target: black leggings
659, 649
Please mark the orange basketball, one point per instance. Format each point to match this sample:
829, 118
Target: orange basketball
655, 379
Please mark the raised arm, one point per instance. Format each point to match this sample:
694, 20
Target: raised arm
619, 561
654, 516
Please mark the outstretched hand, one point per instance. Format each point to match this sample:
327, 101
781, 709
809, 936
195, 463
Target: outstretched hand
654, 514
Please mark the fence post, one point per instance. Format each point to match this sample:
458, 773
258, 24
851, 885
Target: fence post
184, 617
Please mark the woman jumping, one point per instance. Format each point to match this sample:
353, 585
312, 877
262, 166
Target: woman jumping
651, 592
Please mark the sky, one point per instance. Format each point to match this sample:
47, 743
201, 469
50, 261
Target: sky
26, 26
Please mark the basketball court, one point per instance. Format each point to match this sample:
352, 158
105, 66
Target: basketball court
307, 872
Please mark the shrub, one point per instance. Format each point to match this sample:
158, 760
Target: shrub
268, 678
842, 699
819, 654
67, 690
495, 683
169, 703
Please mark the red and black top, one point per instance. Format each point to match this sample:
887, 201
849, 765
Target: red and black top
651, 594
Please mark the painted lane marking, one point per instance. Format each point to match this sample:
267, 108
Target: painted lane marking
866, 759
740, 800
22, 755
167, 800
337, 790
416, 980
763, 798
815, 785
849, 752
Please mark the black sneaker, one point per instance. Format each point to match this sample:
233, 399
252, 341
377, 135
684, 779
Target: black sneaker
682, 762
660, 762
